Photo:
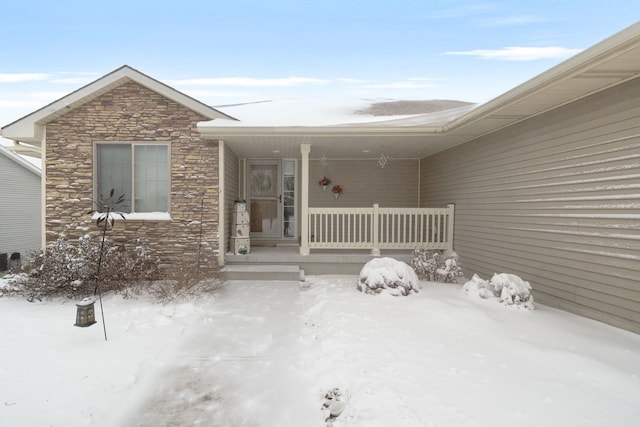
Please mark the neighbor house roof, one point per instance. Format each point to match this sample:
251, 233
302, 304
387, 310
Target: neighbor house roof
608, 63
30, 128
20, 161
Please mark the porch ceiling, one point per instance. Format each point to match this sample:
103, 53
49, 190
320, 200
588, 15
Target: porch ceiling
285, 143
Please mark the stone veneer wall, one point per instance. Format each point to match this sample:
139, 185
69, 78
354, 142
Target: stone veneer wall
133, 113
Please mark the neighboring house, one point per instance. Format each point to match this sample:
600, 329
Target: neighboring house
544, 178
20, 209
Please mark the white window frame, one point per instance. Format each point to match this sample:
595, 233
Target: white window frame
159, 216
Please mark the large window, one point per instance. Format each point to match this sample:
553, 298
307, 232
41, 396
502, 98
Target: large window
140, 171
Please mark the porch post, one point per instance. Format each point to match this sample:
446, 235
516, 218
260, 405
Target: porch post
375, 237
222, 208
450, 216
305, 149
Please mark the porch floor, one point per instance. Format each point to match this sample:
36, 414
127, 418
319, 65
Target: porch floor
319, 261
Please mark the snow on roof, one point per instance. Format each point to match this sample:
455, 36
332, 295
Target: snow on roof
340, 112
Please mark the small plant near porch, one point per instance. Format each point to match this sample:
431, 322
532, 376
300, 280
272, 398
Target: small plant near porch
432, 265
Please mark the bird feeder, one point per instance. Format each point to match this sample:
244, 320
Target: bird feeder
85, 315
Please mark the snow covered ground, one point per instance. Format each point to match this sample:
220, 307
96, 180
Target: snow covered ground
265, 354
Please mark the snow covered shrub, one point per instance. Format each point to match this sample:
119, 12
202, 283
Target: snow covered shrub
509, 289
432, 265
69, 269
185, 283
387, 275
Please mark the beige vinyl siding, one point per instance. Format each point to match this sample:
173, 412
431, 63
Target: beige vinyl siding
556, 200
20, 209
364, 183
231, 191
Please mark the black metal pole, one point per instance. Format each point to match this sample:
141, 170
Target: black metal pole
104, 233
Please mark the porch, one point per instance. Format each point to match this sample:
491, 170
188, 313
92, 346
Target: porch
290, 224
342, 240
284, 262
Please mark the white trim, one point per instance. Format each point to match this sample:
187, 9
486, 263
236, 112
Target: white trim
141, 216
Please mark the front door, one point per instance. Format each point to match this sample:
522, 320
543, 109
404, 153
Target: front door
265, 198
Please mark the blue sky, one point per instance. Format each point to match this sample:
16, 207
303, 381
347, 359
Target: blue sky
242, 51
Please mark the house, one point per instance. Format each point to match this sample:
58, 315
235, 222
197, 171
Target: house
541, 182
20, 209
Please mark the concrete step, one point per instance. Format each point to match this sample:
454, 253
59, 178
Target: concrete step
262, 272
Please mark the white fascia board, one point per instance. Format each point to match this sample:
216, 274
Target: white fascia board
221, 131
23, 130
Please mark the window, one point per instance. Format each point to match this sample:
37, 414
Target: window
140, 171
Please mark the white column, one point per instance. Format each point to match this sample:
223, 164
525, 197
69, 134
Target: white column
451, 215
222, 208
375, 224
43, 190
305, 149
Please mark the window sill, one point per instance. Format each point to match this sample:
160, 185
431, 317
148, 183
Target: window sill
139, 216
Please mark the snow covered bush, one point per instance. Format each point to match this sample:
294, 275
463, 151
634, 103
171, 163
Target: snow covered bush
432, 265
185, 283
509, 289
68, 269
387, 275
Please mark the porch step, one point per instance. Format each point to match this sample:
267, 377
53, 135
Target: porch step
263, 272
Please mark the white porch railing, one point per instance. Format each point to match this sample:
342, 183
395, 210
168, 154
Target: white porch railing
378, 228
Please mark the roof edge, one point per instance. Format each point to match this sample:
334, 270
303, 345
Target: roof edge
27, 128
593, 54
20, 161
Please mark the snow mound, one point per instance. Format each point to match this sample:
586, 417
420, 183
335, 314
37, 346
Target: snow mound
387, 275
509, 289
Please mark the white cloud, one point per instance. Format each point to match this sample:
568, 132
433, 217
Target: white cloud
22, 77
412, 83
348, 80
46, 95
520, 53
73, 80
18, 103
203, 93
251, 82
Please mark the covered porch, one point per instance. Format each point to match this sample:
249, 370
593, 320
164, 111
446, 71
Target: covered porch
382, 202
380, 211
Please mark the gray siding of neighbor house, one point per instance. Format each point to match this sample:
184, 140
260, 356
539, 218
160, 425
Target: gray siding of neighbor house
20, 209
364, 183
231, 191
555, 200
